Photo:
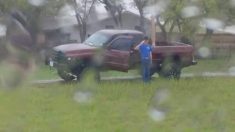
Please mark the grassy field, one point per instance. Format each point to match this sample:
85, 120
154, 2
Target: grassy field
188, 105
211, 65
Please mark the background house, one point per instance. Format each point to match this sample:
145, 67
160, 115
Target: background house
59, 30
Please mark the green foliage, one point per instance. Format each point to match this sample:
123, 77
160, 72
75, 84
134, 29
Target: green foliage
8, 5
222, 10
50, 7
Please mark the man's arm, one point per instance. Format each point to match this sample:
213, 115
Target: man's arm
151, 56
137, 47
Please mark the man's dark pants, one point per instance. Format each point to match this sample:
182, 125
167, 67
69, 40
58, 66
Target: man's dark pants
146, 70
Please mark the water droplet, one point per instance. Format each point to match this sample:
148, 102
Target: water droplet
66, 17
190, 11
11, 76
158, 8
230, 29
157, 115
232, 2
99, 58
212, 23
83, 97
3, 30
232, 71
37, 2
204, 52
67, 10
160, 96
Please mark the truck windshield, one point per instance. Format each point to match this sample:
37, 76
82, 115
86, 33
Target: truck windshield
97, 39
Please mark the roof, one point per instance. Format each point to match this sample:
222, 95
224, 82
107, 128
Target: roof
107, 16
119, 31
55, 22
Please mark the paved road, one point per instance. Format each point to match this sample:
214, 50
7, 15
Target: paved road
121, 78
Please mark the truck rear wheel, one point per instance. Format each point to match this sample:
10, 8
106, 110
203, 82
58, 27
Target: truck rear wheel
171, 69
152, 70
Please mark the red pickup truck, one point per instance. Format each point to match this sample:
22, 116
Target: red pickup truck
114, 50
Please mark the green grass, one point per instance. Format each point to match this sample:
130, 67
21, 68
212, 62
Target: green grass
44, 72
210, 65
198, 104
222, 64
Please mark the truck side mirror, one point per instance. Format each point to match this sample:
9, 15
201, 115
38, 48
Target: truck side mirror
109, 47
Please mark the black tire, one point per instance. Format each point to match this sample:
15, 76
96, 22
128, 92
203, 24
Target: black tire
171, 69
81, 70
66, 76
78, 71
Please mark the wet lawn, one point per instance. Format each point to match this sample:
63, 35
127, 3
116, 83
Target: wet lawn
191, 104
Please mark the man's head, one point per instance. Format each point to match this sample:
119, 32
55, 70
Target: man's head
146, 39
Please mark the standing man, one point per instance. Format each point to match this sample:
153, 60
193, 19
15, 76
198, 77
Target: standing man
145, 50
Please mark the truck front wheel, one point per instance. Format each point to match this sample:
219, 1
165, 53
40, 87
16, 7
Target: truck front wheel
66, 76
69, 74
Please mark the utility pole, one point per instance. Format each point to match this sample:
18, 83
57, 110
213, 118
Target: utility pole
153, 31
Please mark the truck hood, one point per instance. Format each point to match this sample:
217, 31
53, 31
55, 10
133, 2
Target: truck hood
76, 49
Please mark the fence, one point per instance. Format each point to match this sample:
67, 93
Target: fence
220, 44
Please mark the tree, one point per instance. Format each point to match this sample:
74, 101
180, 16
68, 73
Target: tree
29, 15
140, 5
115, 9
170, 17
83, 10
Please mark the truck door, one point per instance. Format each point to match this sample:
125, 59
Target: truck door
117, 55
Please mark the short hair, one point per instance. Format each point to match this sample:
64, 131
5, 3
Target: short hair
146, 38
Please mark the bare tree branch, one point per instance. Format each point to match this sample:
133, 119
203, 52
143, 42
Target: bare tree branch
115, 11
82, 16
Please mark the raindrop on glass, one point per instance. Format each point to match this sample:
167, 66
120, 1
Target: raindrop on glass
232, 2
230, 29
161, 96
99, 59
67, 10
37, 2
83, 97
12, 75
211, 23
232, 71
204, 52
190, 11
157, 115
3, 30
158, 8
66, 17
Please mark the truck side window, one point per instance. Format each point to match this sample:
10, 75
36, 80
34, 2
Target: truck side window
122, 44
137, 39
